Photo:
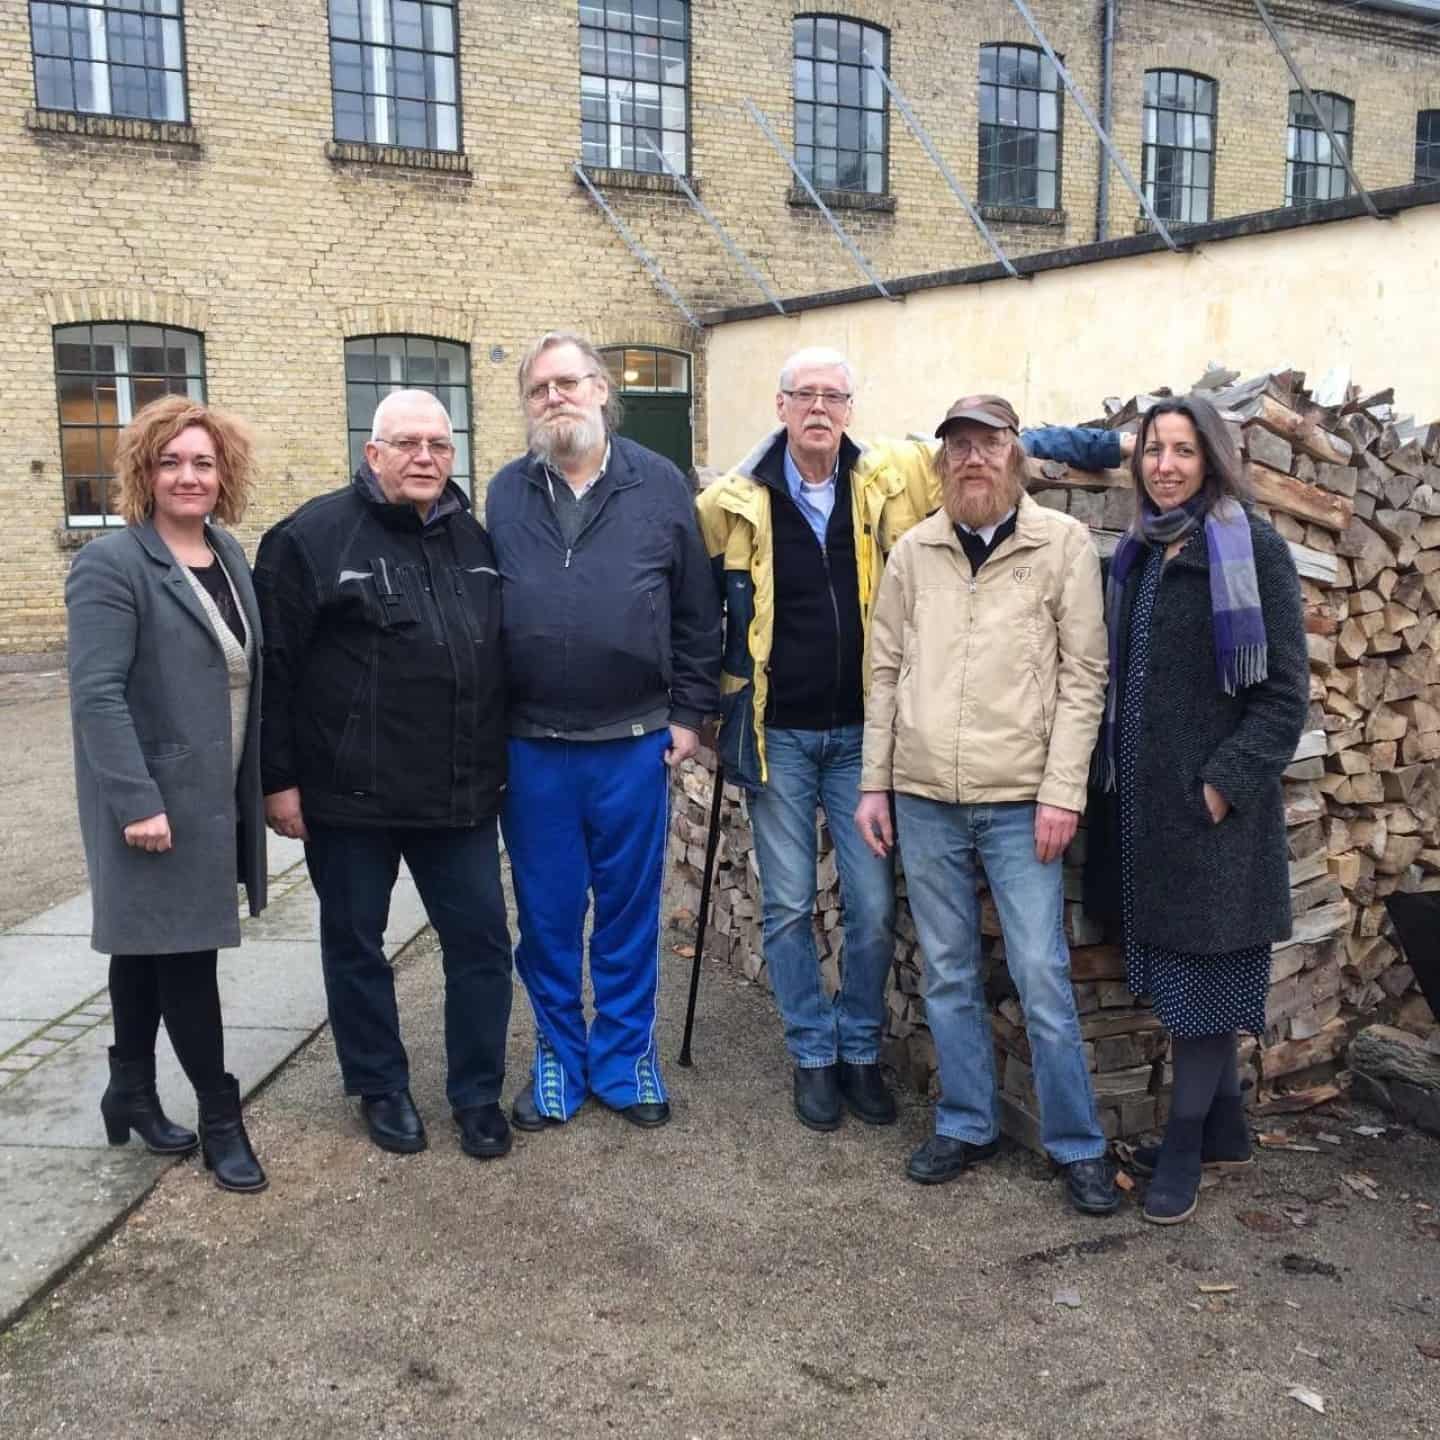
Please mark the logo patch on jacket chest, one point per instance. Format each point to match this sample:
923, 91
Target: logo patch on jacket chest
1021, 574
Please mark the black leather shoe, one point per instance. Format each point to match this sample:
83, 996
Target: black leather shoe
484, 1131
941, 1158
393, 1122
649, 1114
817, 1096
1090, 1185
525, 1116
865, 1093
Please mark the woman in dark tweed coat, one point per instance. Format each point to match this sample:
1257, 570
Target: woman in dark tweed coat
1208, 693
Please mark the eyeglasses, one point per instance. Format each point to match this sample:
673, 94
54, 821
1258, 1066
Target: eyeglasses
563, 385
988, 445
830, 399
407, 445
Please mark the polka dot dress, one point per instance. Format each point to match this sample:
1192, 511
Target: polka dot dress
1193, 994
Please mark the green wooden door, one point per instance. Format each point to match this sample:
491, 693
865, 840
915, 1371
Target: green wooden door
654, 385
660, 423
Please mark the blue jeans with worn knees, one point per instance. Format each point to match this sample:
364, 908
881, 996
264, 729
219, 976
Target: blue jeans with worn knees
807, 768
939, 847
457, 872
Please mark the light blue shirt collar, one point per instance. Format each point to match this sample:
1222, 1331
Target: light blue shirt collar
815, 501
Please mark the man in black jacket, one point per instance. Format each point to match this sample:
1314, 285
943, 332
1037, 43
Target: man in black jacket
612, 651
383, 738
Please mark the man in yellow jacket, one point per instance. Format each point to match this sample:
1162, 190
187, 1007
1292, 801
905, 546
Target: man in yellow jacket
794, 535
797, 534
987, 679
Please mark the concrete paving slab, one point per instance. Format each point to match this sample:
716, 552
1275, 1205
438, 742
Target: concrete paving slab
272, 983
70, 917
12, 1032
282, 854
295, 916
56, 1105
43, 975
56, 1202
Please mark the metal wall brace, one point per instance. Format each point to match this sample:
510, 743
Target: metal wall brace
757, 115
736, 254
1336, 148
1095, 125
637, 249
923, 136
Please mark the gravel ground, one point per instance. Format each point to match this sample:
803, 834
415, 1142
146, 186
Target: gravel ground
730, 1275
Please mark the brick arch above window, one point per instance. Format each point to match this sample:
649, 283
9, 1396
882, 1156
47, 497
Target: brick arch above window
659, 333
440, 322
151, 307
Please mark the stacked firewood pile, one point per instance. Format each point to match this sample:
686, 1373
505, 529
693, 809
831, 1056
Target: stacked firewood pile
1355, 488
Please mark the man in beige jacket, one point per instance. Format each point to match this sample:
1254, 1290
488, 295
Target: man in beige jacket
987, 679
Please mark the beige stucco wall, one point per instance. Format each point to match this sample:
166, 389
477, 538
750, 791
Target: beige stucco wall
1358, 293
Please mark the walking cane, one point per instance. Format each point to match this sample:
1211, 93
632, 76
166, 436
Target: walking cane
712, 842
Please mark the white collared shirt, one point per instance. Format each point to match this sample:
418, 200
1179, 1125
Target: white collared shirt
987, 532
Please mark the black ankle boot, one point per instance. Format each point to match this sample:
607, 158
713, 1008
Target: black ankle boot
224, 1143
1174, 1189
130, 1102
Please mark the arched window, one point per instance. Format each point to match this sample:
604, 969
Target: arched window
1312, 170
1179, 153
377, 364
841, 109
655, 386
103, 375
1019, 127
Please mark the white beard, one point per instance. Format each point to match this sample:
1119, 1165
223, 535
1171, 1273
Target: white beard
566, 438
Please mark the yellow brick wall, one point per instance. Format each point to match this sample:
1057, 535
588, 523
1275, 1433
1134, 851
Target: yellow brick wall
278, 252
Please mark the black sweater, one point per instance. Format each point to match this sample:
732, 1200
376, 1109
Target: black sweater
816, 653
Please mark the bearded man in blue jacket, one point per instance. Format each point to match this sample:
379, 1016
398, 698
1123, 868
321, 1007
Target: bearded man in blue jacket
611, 642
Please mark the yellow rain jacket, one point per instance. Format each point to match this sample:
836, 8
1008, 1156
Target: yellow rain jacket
892, 487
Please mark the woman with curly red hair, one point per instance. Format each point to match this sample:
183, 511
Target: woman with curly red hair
164, 645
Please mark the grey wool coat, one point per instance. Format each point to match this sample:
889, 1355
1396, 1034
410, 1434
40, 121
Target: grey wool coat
150, 710
1203, 888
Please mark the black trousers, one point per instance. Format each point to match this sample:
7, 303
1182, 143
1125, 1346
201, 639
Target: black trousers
181, 988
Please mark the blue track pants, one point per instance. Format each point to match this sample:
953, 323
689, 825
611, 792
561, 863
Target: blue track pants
583, 819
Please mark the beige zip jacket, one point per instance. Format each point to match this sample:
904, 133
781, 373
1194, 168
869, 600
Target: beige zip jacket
990, 687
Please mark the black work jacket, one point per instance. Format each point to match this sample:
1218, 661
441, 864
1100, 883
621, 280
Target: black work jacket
384, 694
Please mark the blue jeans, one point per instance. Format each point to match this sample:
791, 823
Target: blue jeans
806, 768
457, 872
939, 845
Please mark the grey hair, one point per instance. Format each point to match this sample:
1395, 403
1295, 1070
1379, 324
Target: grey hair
613, 409
812, 356
395, 399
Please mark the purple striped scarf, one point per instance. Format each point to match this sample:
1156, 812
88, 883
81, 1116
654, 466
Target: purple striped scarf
1241, 653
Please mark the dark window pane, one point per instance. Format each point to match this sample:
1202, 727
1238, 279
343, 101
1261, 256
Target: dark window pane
408, 22
345, 19
53, 87
349, 116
